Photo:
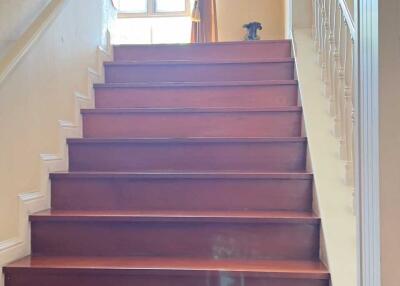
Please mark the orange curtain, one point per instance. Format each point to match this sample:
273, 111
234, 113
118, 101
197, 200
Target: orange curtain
204, 21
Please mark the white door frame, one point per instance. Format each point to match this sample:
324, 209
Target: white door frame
367, 142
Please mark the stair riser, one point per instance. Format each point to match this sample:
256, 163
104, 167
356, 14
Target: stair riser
189, 157
204, 52
176, 239
189, 124
181, 194
70, 278
168, 97
199, 72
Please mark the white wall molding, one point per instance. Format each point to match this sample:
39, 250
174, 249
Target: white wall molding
368, 197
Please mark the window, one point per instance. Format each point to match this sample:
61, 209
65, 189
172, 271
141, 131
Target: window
133, 6
152, 8
152, 22
159, 30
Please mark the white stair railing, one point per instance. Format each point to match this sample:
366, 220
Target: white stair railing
334, 33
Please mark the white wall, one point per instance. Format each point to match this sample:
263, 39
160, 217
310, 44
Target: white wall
233, 14
15, 17
38, 93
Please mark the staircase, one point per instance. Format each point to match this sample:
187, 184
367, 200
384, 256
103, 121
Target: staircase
191, 171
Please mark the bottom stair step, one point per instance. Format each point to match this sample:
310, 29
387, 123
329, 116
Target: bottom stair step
67, 271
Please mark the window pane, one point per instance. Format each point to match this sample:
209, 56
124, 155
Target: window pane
159, 30
171, 30
131, 31
133, 6
170, 6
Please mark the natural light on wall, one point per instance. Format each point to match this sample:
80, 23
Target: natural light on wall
152, 22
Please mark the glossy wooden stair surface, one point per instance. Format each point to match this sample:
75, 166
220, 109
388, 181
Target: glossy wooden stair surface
199, 71
190, 122
191, 155
124, 271
181, 191
249, 94
218, 235
225, 50
192, 170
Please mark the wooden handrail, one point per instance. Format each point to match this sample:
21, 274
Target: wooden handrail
348, 18
31, 35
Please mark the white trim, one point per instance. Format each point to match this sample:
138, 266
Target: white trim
368, 144
7, 244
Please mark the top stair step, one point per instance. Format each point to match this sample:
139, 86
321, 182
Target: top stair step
207, 51
210, 70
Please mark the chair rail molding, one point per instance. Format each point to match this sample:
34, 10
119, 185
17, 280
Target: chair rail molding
367, 161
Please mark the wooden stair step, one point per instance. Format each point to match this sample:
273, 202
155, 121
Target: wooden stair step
196, 84
285, 268
189, 122
191, 62
188, 155
199, 71
181, 191
252, 94
181, 175
204, 234
124, 271
287, 217
200, 110
206, 51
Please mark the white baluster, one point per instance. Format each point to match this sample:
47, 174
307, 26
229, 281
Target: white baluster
333, 32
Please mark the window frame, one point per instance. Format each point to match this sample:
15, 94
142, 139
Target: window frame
152, 12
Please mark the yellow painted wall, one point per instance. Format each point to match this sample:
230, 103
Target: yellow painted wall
389, 101
232, 14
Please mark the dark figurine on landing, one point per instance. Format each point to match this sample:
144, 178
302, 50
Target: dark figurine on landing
252, 29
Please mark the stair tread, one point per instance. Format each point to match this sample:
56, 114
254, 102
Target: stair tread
189, 140
192, 110
198, 62
180, 216
134, 265
154, 175
227, 43
53, 230
195, 84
